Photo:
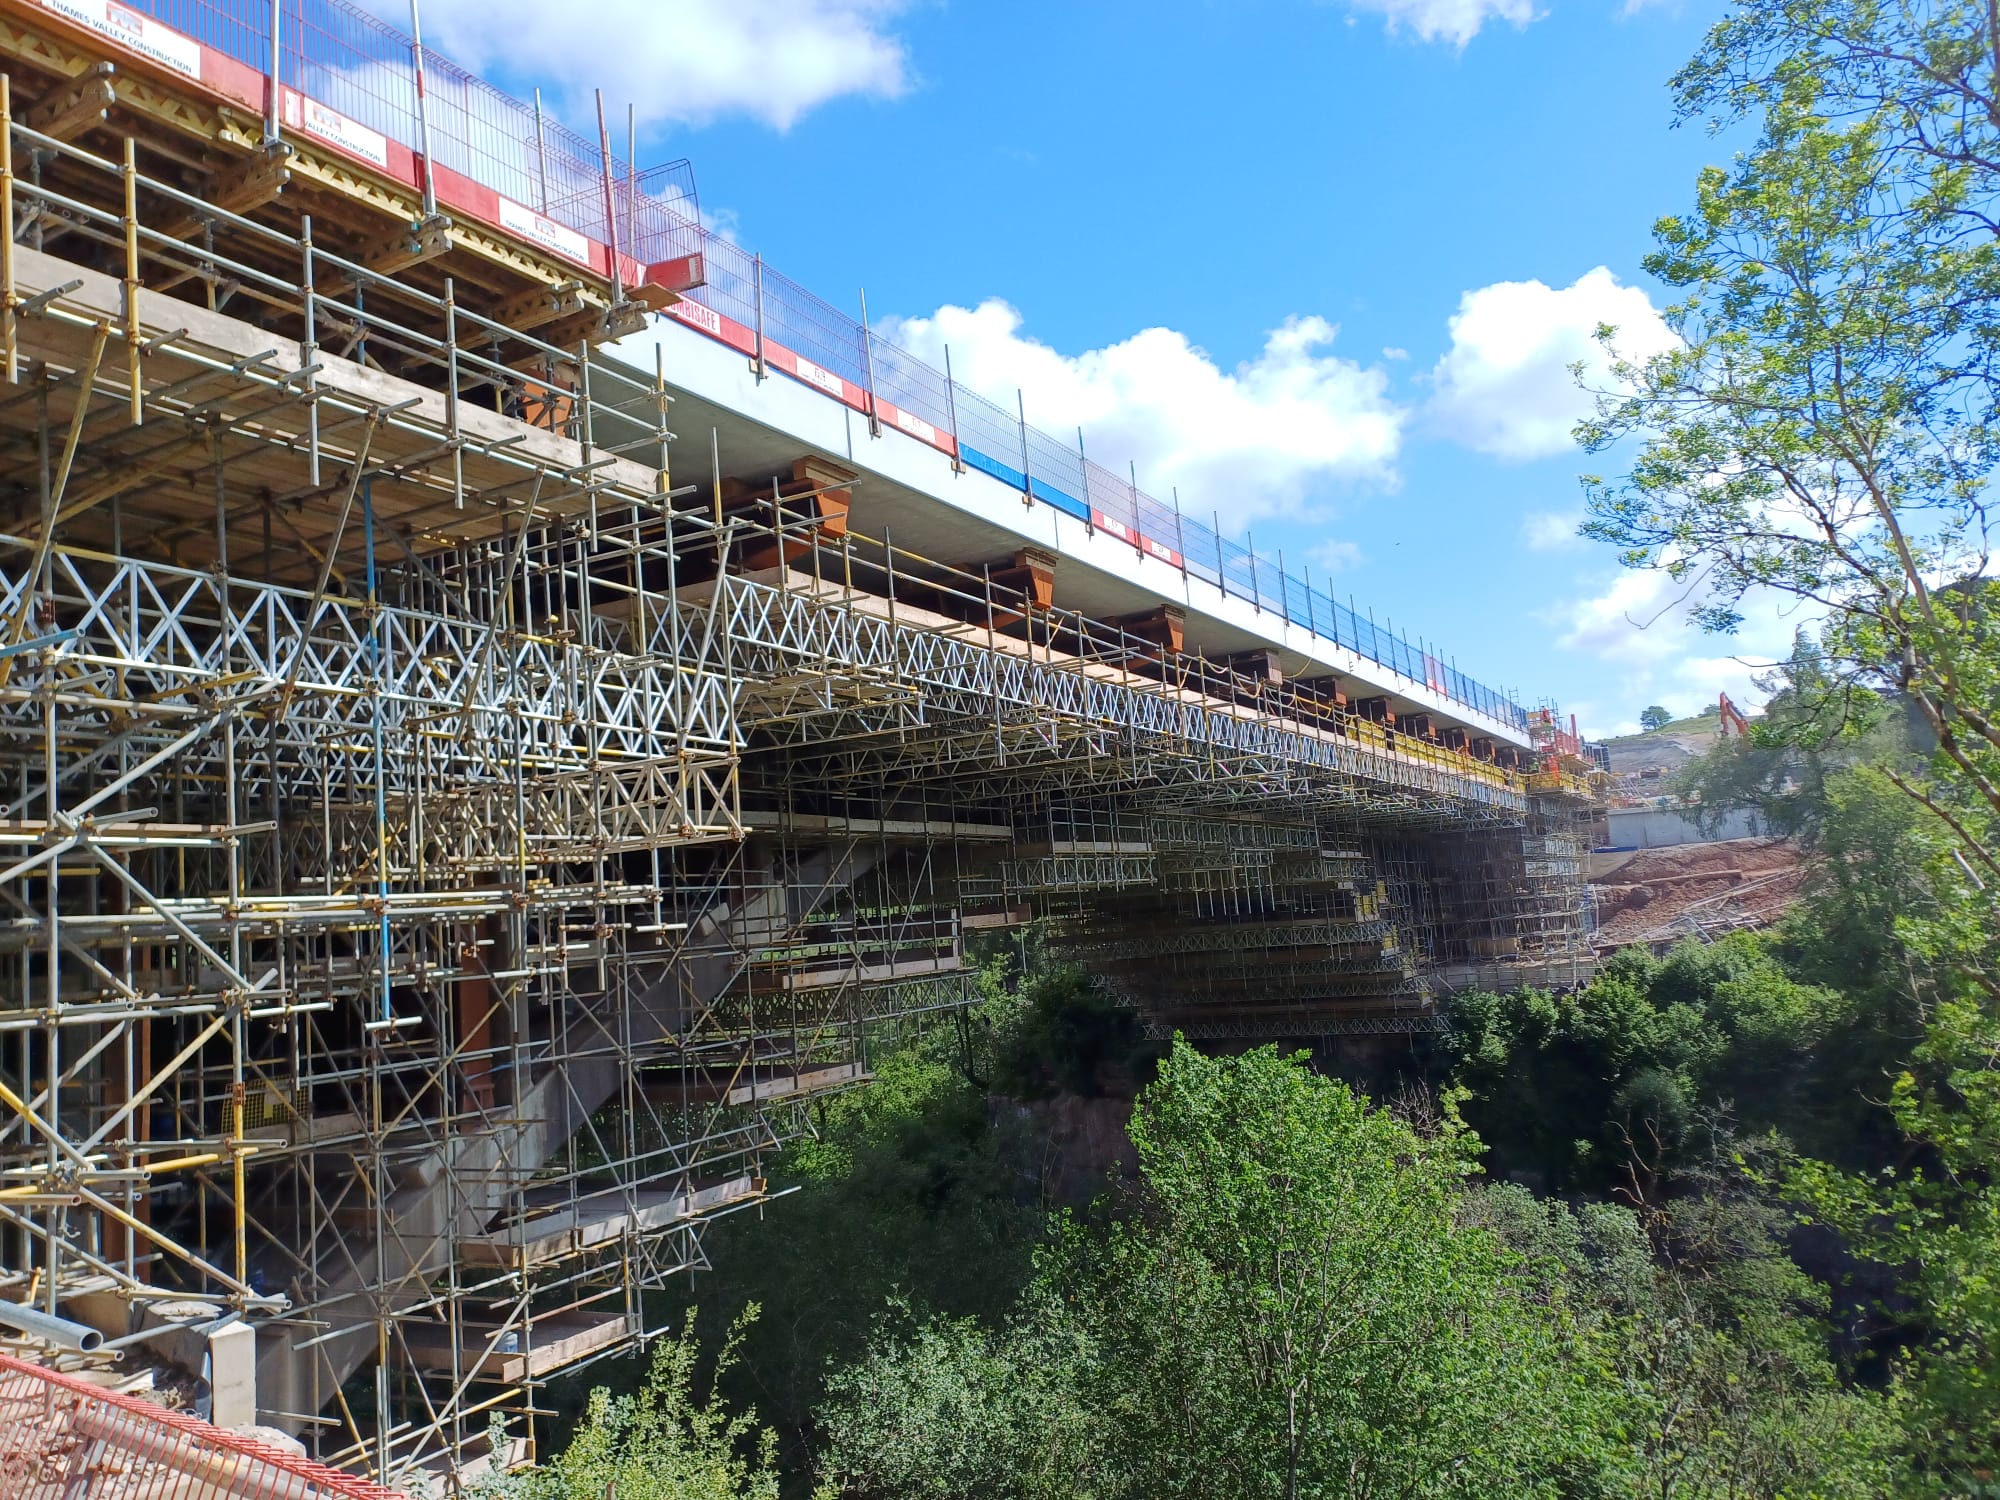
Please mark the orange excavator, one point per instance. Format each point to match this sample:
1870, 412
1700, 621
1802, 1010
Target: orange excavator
1733, 721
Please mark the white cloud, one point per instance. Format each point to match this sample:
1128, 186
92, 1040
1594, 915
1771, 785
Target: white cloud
1248, 442
1552, 530
1333, 557
686, 61
723, 223
1454, 21
1637, 623
1392, 352
1505, 386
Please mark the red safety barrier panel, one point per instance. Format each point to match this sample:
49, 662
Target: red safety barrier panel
715, 325
836, 385
1126, 532
924, 432
682, 274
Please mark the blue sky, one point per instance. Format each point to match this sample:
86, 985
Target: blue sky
1371, 235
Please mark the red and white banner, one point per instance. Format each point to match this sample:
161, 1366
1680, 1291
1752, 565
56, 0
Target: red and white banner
349, 137
132, 29
1126, 532
707, 320
558, 239
1103, 522
909, 422
843, 390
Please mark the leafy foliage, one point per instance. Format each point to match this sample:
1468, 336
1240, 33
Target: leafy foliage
1813, 727
1291, 1307
1607, 1089
1715, 1338
943, 1408
1063, 1035
906, 1190
1826, 427
1296, 1309
1306, 1298
663, 1442
913, 1188
1937, 1220
1829, 430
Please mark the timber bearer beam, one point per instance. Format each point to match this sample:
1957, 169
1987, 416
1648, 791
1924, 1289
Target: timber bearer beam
543, 305
414, 243
77, 108
239, 189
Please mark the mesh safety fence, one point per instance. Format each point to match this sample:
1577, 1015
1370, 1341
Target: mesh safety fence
62, 1438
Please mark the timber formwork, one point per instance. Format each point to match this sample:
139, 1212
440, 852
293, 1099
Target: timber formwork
445, 850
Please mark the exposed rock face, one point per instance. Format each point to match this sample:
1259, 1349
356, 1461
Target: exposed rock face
1070, 1148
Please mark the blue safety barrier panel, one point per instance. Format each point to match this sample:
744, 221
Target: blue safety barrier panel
1048, 494
975, 459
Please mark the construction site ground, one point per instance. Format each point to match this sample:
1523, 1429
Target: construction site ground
1659, 896
1667, 749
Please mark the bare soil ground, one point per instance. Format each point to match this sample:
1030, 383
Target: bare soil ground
1662, 895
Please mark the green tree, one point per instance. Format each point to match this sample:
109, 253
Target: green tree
1824, 428
1655, 717
912, 1188
908, 1188
1813, 726
1827, 430
1060, 1034
943, 1408
1936, 1219
1289, 1306
1295, 1309
1305, 1297
1716, 1336
1602, 1090
663, 1442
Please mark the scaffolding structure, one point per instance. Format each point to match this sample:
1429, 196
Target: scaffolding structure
441, 857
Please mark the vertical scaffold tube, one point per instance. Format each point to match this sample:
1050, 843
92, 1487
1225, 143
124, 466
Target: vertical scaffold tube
375, 666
